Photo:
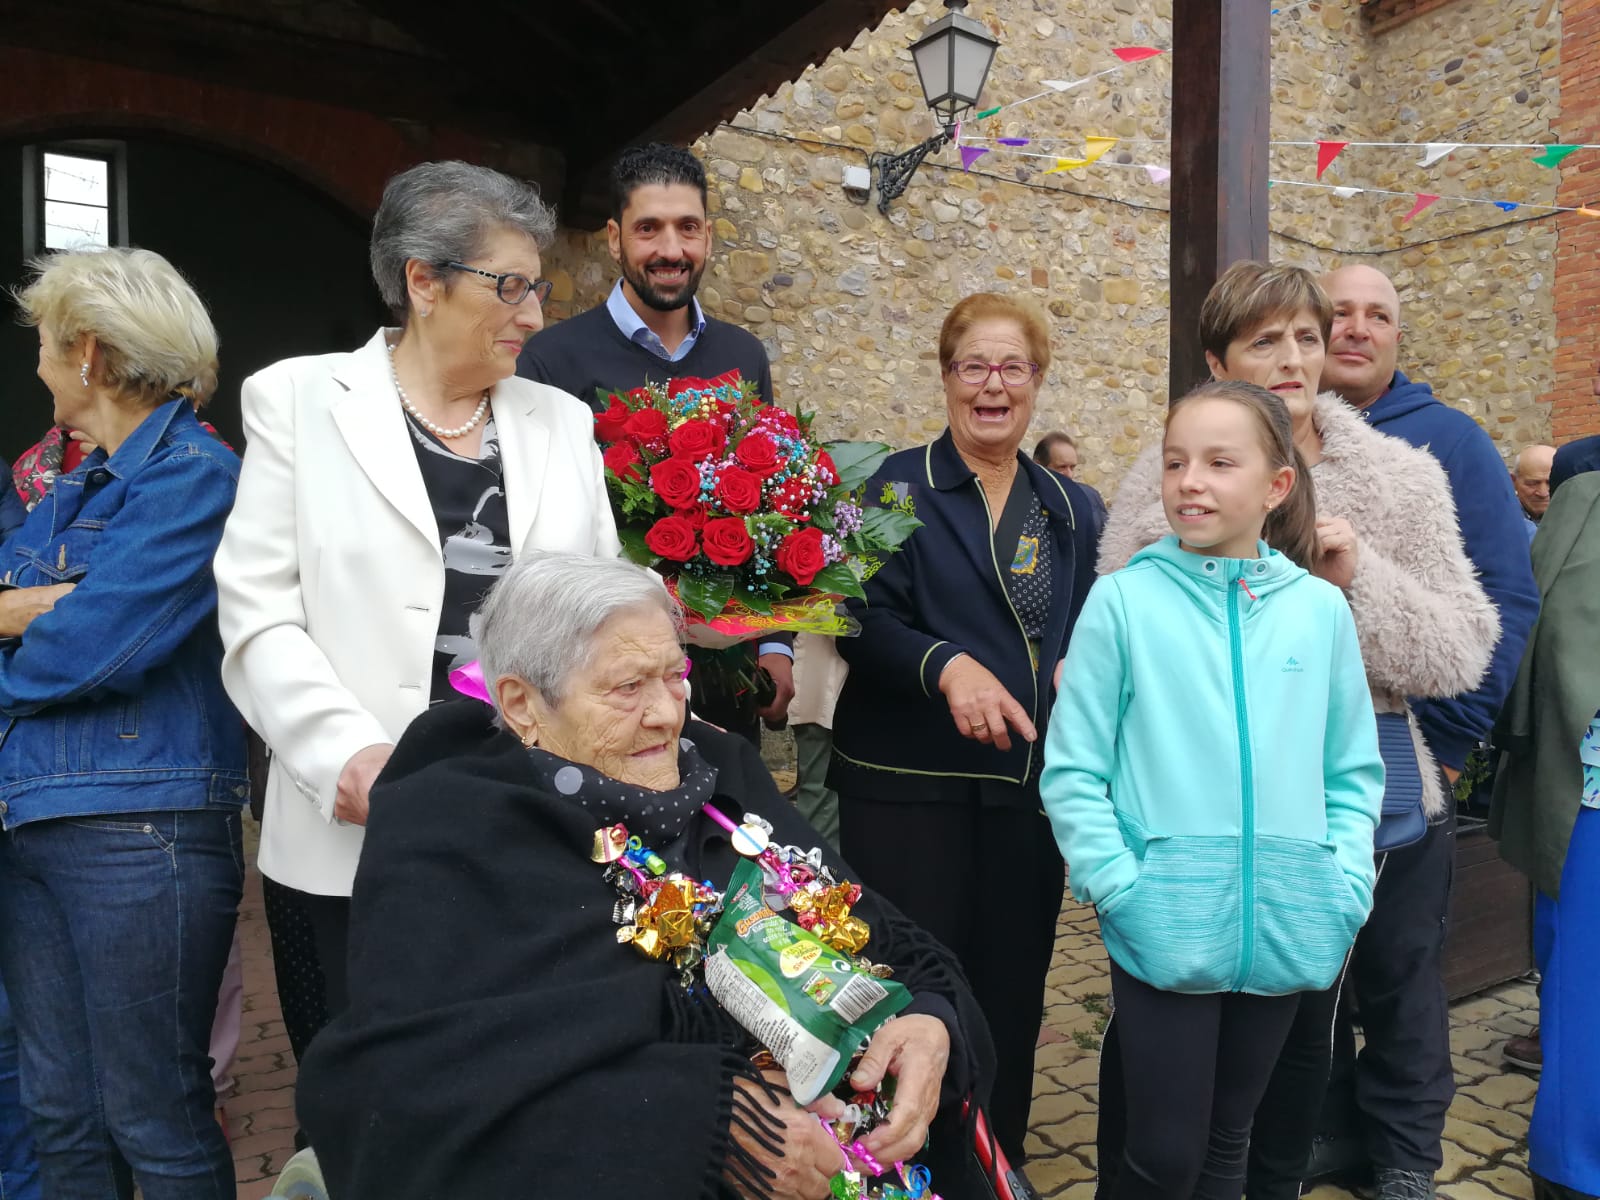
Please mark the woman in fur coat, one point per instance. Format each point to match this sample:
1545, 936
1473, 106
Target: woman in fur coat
1389, 539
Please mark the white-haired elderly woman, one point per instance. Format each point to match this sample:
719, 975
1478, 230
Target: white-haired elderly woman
383, 491
122, 771
499, 1040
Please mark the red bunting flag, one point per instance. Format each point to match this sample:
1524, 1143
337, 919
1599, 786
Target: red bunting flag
1423, 200
1326, 153
1132, 54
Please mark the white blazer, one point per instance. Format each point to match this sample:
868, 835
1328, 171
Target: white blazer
330, 578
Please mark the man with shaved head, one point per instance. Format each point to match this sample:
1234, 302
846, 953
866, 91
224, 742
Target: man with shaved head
1403, 1077
1530, 479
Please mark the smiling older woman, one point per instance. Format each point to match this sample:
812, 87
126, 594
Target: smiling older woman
962, 632
499, 1041
382, 493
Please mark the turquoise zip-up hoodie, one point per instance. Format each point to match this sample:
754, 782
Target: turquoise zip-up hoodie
1212, 772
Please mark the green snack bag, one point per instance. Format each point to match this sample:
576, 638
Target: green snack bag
807, 1003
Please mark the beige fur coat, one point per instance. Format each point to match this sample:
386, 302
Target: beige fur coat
1425, 625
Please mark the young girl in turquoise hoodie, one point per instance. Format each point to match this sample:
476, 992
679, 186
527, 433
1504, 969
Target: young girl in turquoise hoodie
1213, 779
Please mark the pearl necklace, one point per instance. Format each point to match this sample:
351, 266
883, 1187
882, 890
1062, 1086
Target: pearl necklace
458, 431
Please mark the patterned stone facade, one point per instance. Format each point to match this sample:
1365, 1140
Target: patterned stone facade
849, 302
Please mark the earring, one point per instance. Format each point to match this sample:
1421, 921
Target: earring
83, 374
424, 312
530, 739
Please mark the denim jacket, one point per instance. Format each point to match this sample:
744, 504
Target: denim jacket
112, 702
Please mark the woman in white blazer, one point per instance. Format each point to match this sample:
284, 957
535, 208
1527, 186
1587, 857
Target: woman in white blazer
382, 493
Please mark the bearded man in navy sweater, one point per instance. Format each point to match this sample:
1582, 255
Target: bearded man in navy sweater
1403, 1077
651, 329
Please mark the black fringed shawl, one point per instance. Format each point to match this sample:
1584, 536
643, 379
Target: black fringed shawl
499, 1042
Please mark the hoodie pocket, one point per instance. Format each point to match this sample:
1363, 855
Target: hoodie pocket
1307, 916
1176, 927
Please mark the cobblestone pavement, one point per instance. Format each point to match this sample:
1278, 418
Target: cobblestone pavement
1485, 1149
1485, 1154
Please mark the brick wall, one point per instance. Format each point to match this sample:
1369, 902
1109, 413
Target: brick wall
1574, 405
342, 153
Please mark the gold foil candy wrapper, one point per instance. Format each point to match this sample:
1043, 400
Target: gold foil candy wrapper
609, 843
848, 936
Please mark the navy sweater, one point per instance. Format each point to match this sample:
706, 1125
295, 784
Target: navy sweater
1496, 542
587, 353
939, 596
1574, 459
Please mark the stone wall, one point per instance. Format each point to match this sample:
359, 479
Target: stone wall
848, 302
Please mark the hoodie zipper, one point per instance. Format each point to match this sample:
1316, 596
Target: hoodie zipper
1027, 766
1247, 793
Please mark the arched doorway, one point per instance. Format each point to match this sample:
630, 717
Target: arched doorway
282, 266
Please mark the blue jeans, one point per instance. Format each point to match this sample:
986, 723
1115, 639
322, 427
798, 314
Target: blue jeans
19, 1169
114, 932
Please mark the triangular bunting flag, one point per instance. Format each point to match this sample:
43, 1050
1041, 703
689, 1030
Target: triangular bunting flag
1094, 148
1061, 85
1344, 193
1434, 151
988, 112
1423, 200
971, 154
1133, 54
1158, 174
1589, 212
1326, 153
1012, 141
1505, 205
1551, 156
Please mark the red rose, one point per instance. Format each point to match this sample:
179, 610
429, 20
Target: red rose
800, 555
646, 425
622, 460
697, 440
727, 541
609, 425
792, 496
758, 454
695, 514
640, 395
672, 537
826, 470
676, 480
739, 491
690, 383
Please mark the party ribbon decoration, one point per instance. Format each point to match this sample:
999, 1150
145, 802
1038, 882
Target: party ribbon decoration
468, 680
1437, 150
1551, 156
971, 154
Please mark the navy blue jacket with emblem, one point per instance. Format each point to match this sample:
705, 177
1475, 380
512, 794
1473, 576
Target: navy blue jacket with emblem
941, 595
112, 702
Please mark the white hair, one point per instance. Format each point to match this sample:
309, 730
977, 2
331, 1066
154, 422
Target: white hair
539, 620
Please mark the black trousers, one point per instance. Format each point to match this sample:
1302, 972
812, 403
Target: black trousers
988, 883
1395, 1094
1193, 1071
330, 928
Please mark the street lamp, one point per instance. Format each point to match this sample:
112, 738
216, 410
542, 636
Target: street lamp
953, 58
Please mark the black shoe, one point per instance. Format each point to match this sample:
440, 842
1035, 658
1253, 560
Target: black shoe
1340, 1158
1396, 1184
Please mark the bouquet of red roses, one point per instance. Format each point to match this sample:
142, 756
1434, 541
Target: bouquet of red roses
755, 526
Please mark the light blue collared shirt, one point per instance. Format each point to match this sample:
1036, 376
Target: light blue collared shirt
640, 334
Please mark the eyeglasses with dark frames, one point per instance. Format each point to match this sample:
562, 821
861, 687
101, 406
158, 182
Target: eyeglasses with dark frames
513, 289
976, 372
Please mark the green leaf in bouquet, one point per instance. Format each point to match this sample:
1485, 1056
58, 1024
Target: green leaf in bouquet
839, 579
754, 601
856, 461
822, 516
633, 545
708, 593
886, 528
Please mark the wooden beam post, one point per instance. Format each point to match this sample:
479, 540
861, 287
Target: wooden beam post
1221, 93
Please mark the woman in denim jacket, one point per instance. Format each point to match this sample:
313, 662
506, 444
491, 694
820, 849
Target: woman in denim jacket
122, 764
